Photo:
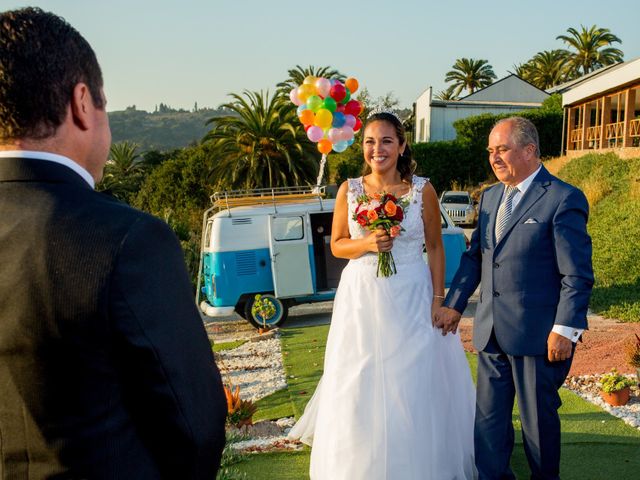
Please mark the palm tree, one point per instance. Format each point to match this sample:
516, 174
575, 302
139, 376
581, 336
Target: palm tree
260, 144
592, 48
298, 74
124, 171
547, 68
469, 74
446, 95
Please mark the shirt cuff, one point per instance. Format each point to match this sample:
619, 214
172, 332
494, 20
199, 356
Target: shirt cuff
571, 333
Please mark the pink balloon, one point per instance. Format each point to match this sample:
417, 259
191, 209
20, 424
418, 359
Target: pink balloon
293, 95
315, 134
349, 121
324, 86
334, 135
346, 133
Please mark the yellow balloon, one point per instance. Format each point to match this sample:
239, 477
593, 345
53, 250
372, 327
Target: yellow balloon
323, 118
304, 92
310, 80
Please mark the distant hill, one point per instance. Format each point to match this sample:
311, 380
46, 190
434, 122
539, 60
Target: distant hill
166, 129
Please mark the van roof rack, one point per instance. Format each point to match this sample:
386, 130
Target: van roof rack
266, 196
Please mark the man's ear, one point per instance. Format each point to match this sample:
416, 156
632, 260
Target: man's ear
81, 106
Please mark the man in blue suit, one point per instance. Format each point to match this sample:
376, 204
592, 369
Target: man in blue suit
531, 255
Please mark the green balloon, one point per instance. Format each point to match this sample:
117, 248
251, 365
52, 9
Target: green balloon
330, 104
314, 102
347, 97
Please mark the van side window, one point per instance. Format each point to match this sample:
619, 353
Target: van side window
287, 228
207, 235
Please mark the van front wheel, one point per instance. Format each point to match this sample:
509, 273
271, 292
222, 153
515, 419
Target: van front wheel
275, 320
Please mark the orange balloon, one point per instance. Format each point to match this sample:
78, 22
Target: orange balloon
307, 117
324, 146
352, 84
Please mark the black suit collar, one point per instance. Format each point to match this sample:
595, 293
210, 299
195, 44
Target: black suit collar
34, 170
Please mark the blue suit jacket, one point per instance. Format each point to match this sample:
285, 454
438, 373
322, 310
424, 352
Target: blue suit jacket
538, 274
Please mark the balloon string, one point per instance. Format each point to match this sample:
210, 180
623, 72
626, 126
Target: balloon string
321, 171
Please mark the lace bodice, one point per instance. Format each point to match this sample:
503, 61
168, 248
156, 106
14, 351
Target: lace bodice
408, 246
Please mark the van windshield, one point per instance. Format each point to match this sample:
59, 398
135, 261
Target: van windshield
455, 199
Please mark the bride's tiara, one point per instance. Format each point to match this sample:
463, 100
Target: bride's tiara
380, 110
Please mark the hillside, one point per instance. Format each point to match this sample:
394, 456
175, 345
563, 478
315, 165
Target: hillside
161, 130
612, 186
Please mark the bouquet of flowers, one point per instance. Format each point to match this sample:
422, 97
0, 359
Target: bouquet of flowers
382, 210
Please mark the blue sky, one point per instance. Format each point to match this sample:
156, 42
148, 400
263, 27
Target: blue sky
180, 52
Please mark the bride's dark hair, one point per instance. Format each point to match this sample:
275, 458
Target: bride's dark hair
406, 164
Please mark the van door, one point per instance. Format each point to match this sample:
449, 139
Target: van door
289, 247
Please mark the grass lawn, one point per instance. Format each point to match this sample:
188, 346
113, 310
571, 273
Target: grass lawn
595, 445
219, 347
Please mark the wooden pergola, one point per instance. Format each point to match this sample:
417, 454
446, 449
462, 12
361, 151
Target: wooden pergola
602, 110
607, 121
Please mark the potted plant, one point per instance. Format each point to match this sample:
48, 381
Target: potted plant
263, 309
615, 388
633, 354
239, 412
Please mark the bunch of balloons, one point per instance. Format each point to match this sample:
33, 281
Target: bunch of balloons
327, 111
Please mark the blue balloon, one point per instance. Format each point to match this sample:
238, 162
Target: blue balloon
338, 119
350, 142
302, 108
340, 146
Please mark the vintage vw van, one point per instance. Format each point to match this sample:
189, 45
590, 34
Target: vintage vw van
275, 242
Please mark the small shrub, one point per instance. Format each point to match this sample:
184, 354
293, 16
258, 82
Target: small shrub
614, 382
632, 352
595, 189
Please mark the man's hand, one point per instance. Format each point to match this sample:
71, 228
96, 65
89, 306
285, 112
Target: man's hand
558, 347
447, 319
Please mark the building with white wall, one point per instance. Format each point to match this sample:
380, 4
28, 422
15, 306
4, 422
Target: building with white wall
434, 118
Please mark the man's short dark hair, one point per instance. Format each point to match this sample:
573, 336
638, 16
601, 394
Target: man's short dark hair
42, 59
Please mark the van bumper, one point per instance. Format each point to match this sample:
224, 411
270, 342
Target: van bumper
211, 311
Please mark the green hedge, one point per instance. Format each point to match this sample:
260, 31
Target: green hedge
451, 161
475, 130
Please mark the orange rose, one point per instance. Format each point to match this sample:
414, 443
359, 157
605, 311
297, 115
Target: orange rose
390, 208
395, 231
372, 215
377, 196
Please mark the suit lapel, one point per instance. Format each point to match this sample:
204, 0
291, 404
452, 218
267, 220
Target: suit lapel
535, 191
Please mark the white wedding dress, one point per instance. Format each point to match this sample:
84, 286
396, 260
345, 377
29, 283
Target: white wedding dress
396, 400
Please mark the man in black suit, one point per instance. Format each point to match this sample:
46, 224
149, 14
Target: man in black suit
105, 368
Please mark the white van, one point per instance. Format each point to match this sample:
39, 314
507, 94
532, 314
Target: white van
276, 242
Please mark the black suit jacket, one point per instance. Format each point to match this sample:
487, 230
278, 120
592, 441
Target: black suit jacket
105, 368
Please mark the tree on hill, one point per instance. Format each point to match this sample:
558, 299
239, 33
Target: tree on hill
261, 145
591, 48
470, 74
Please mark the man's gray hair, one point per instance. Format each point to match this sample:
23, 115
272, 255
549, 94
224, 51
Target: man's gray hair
524, 132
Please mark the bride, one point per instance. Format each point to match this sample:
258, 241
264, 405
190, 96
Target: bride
396, 400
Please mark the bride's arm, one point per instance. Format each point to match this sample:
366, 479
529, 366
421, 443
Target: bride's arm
342, 245
433, 241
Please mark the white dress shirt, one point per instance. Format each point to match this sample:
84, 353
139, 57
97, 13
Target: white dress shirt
51, 157
571, 333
